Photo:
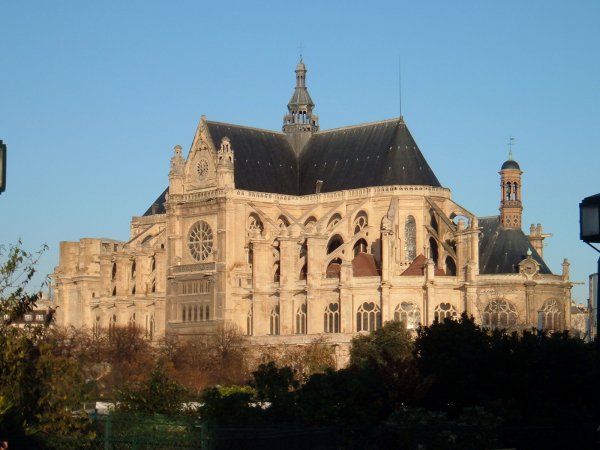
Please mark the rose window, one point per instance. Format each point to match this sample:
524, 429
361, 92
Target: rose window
200, 241
202, 168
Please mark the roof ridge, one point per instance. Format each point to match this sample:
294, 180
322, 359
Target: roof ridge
366, 124
245, 126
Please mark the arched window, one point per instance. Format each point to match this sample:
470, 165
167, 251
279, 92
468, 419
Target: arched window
507, 196
132, 320
276, 272
152, 264
433, 222
149, 326
274, 321
410, 238
360, 247
499, 313
112, 323
310, 222
96, 329
255, 225
515, 192
433, 250
114, 291
409, 314
334, 243
360, 222
552, 315
113, 274
335, 219
153, 288
282, 222
133, 268
206, 313
303, 273
450, 266
331, 318
301, 319
368, 317
445, 311
249, 323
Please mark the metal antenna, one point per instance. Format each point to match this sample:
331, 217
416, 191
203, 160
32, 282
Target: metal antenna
400, 86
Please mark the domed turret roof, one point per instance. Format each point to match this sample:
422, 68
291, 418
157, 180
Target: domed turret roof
510, 164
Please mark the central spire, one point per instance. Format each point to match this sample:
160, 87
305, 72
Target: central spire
300, 117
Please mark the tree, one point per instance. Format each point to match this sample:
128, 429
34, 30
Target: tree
39, 390
390, 343
157, 394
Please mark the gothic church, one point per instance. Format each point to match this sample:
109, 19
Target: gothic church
307, 232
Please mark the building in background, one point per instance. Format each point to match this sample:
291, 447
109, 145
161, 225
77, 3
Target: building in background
306, 232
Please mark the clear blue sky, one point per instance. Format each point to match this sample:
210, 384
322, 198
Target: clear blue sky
94, 95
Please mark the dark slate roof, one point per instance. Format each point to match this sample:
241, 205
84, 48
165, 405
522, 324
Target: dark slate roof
502, 249
374, 154
510, 164
160, 204
264, 160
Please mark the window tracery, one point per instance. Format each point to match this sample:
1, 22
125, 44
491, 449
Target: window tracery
335, 219
200, 241
255, 225
410, 238
361, 222
409, 314
552, 315
301, 319
499, 313
331, 318
274, 321
445, 311
368, 317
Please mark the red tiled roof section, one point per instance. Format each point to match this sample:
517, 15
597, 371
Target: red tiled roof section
417, 268
363, 265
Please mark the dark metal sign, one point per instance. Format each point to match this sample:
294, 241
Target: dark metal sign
2, 167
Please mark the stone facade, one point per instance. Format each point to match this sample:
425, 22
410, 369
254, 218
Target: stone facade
285, 268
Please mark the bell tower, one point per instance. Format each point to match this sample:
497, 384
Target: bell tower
300, 121
511, 208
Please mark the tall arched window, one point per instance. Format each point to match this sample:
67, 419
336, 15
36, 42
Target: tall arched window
433, 250
301, 319
368, 317
276, 272
499, 313
360, 222
552, 315
445, 311
254, 225
450, 266
249, 323
409, 314
96, 329
303, 272
133, 269
360, 247
282, 222
274, 321
410, 238
112, 323
335, 219
331, 318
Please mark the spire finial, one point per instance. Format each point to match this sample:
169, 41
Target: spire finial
300, 47
511, 142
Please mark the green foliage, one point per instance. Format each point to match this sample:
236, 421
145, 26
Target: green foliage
17, 268
230, 406
39, 390
385, 346
474, 429
155, 395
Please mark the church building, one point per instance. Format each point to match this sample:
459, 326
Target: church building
293, 234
